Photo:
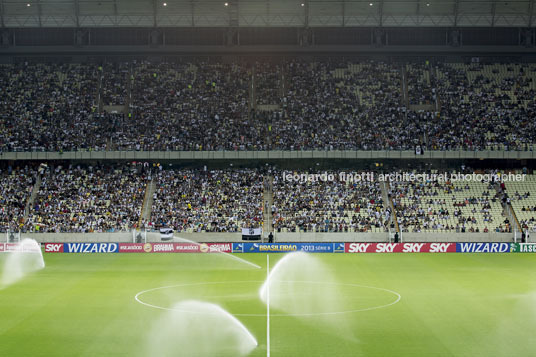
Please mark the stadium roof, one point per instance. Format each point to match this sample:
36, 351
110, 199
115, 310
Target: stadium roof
267, 13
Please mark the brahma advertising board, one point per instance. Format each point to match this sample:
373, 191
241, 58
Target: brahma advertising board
216, 247
13, 247
136, 247
175, 248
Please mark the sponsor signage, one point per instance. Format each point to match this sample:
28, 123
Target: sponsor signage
483, 247
53, 247
523, 247
13, 247
134, 247
286, 247
163, 248
91, 247
271, 247
175, 248
338, 247
131, 247
217, 247
400, 247
238, 247
316, 247
19, 247
246, 247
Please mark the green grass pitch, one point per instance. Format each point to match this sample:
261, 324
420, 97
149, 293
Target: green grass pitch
451, 304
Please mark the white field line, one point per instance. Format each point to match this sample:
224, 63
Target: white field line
138, 296
267, 305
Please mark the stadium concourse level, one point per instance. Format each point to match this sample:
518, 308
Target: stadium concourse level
292, 105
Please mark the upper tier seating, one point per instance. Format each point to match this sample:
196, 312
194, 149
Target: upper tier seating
329, 105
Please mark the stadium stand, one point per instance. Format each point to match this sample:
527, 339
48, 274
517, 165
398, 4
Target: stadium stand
268, 83
421, 87
289, 105
313, 106
190, 106
448, 207
523, 200
49, 108
111, 198
15, 188
488, 106
207, 201
92, 199
337, 106
114, 78
327, 206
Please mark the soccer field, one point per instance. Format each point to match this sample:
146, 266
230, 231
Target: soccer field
385, 305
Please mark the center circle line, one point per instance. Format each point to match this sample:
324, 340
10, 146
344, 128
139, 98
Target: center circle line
137, 297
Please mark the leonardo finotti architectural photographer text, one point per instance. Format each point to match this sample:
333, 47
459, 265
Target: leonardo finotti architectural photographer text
400, 177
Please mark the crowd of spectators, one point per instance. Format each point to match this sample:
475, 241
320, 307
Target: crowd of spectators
15, 188
484, 107
196, 200
190, 107
325, 105
88, 199
268, 83
343, 106
421, 89
327, 205
523, 203
114, 83
49, 108
444, 206
108, 198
